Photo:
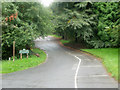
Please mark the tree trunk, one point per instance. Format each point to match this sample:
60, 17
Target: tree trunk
76, 38
62, 36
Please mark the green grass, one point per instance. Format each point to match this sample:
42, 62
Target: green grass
109, 58
56, 36
64, 41
17, 65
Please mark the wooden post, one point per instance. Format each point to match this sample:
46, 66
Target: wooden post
27, 55
21, 56
13, 51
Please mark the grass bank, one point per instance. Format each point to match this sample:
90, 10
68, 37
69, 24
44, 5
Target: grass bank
56, 36
61, 40
109, 58
65, 41
18, 64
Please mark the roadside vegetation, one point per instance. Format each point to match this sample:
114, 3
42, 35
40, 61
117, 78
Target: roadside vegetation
109, 58
61, 40
64, 41
95, 25
18, 64
56, 36
23, 22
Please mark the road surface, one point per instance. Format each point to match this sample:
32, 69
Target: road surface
64, 68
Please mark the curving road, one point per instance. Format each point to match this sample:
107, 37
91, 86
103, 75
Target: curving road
63, 68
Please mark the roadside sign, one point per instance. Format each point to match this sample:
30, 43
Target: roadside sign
23, 52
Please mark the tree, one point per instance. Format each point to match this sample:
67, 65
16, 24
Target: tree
76, 21
32, 21
95, 24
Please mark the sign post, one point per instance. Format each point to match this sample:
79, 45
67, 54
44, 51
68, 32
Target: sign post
27, 55
23, 52
13, 51
21, 56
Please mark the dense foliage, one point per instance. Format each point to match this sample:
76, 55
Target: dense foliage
95, 24
108, 24
32, 21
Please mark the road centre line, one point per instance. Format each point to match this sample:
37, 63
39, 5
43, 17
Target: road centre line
76, 73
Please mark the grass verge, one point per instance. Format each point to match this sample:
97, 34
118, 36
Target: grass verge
109, 58
61, 40
17, 65
56, 36
64, 41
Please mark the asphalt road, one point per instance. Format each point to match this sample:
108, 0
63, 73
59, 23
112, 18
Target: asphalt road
64, 68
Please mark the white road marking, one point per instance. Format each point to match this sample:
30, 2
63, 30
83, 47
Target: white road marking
76, 73
99, 76
95, 76
92, 66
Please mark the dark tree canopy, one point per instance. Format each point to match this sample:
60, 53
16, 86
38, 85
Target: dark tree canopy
95, 24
